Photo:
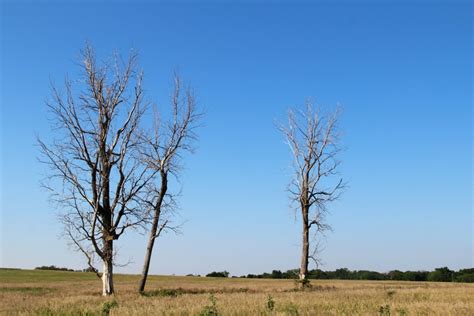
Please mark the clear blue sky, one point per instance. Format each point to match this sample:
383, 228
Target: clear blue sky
402, 72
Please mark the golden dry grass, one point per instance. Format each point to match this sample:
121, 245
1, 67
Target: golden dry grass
24, 292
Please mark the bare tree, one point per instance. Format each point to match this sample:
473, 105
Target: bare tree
162, 154
313, 139
96, 174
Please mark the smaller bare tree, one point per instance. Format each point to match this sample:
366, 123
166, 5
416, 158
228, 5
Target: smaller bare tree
162, 154
314, 142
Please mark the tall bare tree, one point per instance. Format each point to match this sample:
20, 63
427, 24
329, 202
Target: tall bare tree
314, 142
162, 154
96, 174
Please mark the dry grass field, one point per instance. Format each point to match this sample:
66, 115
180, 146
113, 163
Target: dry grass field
26, 292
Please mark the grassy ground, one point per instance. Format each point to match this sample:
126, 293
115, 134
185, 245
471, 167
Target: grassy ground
28, 292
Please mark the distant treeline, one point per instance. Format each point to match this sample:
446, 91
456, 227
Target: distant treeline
438, 275
63, 269
223, 274
53, 268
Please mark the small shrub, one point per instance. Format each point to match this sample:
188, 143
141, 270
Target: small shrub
65, 311
163, 292
45, 311
210, 310
301, 285
420, 296
107, 306
270, 303
291, 309
401, 311
384, 310
311, 287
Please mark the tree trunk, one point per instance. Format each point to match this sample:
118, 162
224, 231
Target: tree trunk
305, 247
107, 274
153, 231
304, 253
146, 263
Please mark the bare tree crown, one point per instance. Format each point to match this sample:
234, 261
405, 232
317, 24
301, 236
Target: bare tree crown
313, 139
163, 148
162, 154
95, 171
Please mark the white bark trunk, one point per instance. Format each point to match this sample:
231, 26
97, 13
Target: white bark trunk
107, 279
